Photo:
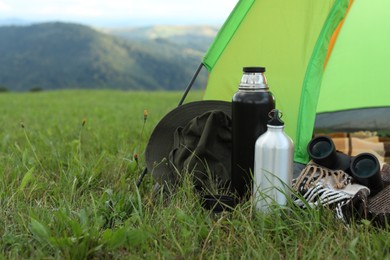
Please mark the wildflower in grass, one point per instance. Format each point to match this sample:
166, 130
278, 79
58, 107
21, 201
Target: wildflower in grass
84, 121
138, 146
145, 115
136, 157
32, 147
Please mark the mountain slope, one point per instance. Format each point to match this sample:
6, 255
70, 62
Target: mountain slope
62, 55
196, 37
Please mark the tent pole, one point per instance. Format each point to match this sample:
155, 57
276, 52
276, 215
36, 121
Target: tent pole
141, 177
188, 88
190, 84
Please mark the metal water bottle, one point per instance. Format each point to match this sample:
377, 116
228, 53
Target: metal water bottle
250, 107
273, 165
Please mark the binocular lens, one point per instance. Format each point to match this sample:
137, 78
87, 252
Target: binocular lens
365, 168
321, 149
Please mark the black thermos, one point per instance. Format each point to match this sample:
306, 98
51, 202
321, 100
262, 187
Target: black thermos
250, 107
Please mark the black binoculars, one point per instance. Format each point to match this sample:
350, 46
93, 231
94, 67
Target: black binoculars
364, 167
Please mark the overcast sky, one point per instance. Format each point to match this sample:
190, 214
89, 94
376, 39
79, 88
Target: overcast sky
117, 12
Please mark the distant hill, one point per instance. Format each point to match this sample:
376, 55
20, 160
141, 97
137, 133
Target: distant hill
63, 55
197, 37
13, 21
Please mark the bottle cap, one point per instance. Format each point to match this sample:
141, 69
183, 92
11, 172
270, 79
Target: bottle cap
275, 116
253, 69
253, 79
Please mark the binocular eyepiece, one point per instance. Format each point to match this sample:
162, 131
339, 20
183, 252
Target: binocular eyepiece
322, 151
364, 167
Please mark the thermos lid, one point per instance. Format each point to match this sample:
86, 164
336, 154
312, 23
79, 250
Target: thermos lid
253, 69
275, 116
253, 78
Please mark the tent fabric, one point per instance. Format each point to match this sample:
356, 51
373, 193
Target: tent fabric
290, 39
359, 64
312, 81
374, 119
294, 40
226, 32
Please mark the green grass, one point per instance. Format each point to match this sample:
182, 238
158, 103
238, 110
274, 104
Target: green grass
67, 190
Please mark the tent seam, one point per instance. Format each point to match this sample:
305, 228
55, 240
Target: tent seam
325, 35
352, 109
221, 32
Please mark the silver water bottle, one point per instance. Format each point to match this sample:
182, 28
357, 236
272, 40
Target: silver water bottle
273, 168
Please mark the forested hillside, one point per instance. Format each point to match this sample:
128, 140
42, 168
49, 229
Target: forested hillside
62, 55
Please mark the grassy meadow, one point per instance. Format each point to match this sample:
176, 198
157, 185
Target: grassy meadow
68, 174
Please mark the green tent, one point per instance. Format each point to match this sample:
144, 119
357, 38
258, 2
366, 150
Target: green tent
321, 56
